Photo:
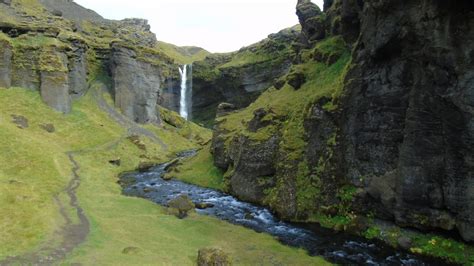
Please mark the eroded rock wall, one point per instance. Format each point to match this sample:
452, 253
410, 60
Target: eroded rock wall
407, 119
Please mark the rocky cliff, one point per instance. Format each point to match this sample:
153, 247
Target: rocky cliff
57, 47
384, 132
240, 77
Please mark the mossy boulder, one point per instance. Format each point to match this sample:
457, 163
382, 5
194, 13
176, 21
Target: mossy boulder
181, 205
213, 257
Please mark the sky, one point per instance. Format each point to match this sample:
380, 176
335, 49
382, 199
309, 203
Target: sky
215, 25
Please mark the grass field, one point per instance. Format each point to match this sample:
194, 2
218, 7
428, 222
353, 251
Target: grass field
35, 169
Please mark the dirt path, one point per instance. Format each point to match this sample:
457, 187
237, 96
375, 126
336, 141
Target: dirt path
71, 234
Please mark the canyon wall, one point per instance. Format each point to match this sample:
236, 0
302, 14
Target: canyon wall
394, 139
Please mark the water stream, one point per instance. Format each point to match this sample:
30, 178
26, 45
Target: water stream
336, 247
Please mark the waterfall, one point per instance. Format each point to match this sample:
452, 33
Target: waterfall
183, 106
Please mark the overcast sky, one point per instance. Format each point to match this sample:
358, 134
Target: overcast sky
216, 25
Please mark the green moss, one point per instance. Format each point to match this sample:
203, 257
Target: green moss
308, 190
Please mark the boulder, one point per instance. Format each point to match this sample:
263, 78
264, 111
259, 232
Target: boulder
213, 257
48, 127
296, 79
20, 121
182, 204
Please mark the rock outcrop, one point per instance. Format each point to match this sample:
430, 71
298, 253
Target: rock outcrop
395, 139
136, 85
239, 78
5, 64
55, 80
407, 119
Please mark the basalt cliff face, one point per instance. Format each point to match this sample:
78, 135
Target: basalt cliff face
391, 137
57, 47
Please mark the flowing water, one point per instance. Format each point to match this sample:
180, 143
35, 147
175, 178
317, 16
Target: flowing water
336, 247
183, 106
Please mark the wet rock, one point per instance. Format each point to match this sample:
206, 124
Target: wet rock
145, 166
20, 121
248, 216
182, 204
213, 257
357, 225
405, 242
148, 189
48, 127
203, 205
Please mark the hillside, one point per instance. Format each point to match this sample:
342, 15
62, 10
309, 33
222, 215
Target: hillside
350, 132
72, 120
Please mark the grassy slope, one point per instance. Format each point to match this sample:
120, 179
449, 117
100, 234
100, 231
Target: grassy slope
177, 54
200, 170
34, 169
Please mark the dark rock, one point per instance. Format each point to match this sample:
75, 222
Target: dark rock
57, 13
148, 189
224, 109
78, 69
240, 85
213, 257
357, 225
145, 166
203, 205
116, 162
20, 121
55, 80
131, 251
25, 69
408, 112
257, 121
6, 2
136, 85
405, 242
182, 204
296, 79
6, 54
279, 83
311, 20
248, 216
48, 127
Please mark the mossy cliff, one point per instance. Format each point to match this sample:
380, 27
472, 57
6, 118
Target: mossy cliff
370, 121
240, 77
57, 46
